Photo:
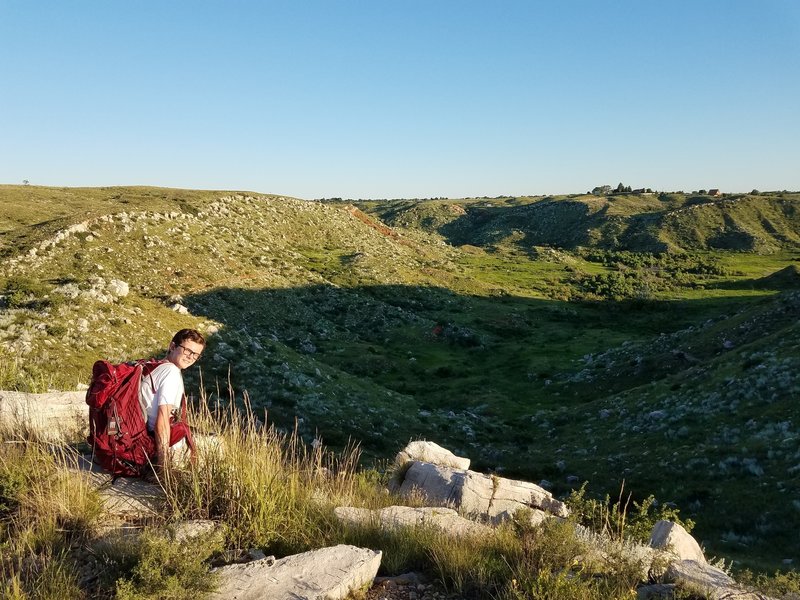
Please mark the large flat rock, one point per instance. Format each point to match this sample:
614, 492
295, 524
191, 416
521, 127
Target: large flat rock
707, 581
48, 415
126, 498
325, 574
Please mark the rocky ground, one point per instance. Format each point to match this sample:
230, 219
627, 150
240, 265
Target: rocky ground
411, 586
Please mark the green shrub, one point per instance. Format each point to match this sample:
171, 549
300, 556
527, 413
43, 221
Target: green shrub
624, 518
165, 568
45, 510
21, 291
56, 330
554, 564
779, 585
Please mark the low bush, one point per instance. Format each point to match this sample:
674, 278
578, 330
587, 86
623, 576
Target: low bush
783, 585
625, 518
21, 291
161, 567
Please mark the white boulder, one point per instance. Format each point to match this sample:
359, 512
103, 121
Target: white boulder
674, 539
118, 288
325, 574
432, 453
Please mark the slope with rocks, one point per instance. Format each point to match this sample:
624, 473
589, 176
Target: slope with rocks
325, 315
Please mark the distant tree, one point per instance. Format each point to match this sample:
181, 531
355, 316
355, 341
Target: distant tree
620, 188
702, 192
25, 182
627, 188
755, 193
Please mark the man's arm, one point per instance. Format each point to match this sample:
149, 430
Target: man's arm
162, 435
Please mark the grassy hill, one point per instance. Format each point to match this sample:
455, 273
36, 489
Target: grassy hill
548, 338
641, 223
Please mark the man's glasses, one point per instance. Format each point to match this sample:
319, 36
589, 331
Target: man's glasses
189, 353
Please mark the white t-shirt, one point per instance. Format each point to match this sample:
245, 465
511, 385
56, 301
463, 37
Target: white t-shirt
167, 381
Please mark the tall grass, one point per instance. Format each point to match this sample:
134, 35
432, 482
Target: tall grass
273, 492
46, 510
270, 489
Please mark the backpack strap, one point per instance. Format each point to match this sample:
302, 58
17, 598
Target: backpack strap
157, 364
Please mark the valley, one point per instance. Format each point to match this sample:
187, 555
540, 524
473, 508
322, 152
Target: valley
651, 339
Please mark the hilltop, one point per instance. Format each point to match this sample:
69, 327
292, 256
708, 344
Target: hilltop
642, 337
665, 222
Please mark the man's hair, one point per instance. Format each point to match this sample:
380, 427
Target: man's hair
188, 334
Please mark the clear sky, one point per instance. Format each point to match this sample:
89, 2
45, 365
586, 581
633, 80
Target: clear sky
401, 98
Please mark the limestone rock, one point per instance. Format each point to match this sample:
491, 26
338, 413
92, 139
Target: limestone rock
325, 574
180, 309
657, 591
188, 530
673, 538
393, 517
476, 494
126, 498
432, 453
510, 493
118, 288
701, 578
49, 415
439, 486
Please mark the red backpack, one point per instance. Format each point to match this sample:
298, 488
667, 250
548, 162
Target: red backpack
118, 432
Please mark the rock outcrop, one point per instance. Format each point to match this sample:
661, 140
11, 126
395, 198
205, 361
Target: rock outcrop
47, 416
476, 494
688, 570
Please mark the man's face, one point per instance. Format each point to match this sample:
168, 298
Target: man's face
185, 354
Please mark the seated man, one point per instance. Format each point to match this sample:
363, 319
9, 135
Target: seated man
161, 391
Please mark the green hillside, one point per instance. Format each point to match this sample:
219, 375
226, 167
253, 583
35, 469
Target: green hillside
549, 338
761, 223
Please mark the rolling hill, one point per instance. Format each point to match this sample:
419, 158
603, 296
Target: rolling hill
647, 338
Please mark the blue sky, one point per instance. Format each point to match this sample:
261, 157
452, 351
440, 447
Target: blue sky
380, 99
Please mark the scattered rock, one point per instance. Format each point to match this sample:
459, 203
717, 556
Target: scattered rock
189, 530
180, 309
118, 288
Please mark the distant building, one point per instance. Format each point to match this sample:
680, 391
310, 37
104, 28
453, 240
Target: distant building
714, 192
601, 190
